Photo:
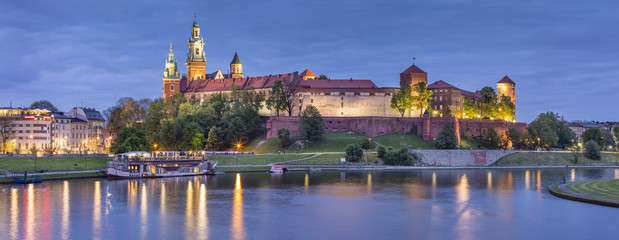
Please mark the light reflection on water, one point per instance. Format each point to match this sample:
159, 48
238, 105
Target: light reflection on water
462, 204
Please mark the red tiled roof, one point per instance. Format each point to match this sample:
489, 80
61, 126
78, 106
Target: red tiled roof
211, 85
507, 80
340, 83
307, 72
476, 94
441, 84
413, 69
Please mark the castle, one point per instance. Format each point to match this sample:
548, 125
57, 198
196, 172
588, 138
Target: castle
332, 97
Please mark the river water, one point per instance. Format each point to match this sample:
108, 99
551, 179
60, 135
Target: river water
420, 204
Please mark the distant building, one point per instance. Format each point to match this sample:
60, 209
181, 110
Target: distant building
77, 131
332, 97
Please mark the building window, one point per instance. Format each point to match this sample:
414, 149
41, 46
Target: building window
357, 93
372, 94
311, 100
342, 104
342, 93
171, 88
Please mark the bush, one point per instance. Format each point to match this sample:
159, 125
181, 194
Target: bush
403, 157
381, 151
414, 130
365, 144
446, 138
284, 137
353, 153
592, 150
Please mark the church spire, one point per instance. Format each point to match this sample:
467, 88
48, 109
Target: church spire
236, 67
171, 67
196, 62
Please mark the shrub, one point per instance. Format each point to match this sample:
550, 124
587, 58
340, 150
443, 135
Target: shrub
414, 130
446, 138
403, 157
380, 151
365, 144
592, 150
353, 153
284, 137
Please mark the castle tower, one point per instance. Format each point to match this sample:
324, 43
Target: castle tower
171, 77
236, 67
196, 62
412, 76
308, 75
506, 87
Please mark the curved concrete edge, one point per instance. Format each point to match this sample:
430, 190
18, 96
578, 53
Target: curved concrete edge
554, 190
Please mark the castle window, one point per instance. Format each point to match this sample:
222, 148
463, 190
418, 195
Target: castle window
342, 98
311, 100
357, 93
342, 93
327, 94
171, 88
299, 100
372, 94
342, 104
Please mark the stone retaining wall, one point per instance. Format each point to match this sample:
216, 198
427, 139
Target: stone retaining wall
454, 158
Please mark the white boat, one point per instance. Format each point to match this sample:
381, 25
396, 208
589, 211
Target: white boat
278, 169
159, 164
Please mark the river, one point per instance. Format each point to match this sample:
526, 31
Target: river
419, 204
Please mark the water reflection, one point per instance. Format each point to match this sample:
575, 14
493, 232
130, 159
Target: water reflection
30, 212
143, 211
527, 180
96, 211
202, 214
162, 200
66, 224
463, 211
369, 184
238, 227
306, 183
539, 181
573, 173
616, 173
14, 213
489, 181
189, 211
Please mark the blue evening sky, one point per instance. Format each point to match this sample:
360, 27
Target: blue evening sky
563, 55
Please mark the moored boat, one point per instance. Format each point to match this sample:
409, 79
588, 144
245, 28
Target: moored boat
159, 164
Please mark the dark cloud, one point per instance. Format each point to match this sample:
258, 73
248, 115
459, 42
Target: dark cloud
562, 54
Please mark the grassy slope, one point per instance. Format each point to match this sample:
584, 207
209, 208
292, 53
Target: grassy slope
554, 159
257, 159
401, 140
471, 143
19, 165
331, 142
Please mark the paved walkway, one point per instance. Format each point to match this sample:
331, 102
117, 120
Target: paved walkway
50, 173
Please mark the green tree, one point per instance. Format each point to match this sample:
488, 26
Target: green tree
197, 143
281, 97
237, 131
594, 134
609, 141
152, 121
517, 138
170, 136
190, 129
488, 103
322, 76
6, 131
284, 137
506, 108
311, 124
130, 139
215, 140
470, 109
616, 131
446, 138
354, 153
380, 151
492, 140
402, 157
422, 100
414, 130
402, 100
547, 130
187, 109
33, 149
592, 150
365, 144
44, 104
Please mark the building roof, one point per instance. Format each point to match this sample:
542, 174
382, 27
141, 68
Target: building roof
212, 85
308, 73
77, 120
476, 94
93, 114
441, 84
236, 60
413, 69
58, 115
506, 79
338, 83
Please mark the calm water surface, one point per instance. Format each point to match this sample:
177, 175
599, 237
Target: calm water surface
425, 204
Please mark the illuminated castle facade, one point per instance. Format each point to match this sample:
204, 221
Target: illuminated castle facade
332, 97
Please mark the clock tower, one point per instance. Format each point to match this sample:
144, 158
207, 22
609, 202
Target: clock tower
196, 62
